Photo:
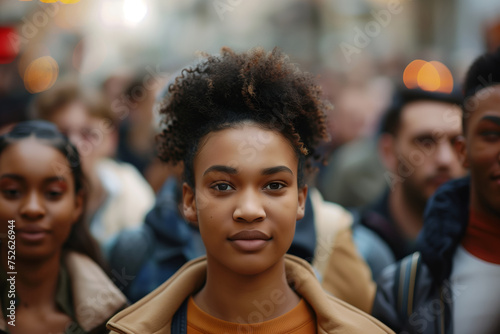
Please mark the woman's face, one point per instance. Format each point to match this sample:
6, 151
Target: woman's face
246, 200
37, 191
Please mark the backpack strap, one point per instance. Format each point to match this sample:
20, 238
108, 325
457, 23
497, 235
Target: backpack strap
179, 320
405, 279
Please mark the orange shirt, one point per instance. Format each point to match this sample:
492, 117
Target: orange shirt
300, 319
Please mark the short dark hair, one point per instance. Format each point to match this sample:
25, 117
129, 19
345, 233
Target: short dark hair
484, 72
390, 121
230, 88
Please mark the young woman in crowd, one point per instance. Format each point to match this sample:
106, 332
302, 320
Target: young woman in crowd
245, 126
52, 279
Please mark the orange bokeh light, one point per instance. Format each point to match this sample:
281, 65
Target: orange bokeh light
428, 78
41, 74
445, 77
431, 76
411, 73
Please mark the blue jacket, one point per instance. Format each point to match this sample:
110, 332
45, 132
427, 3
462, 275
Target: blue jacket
427, 307
147, 256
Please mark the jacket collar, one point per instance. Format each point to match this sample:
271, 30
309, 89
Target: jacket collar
154, 313
445, 222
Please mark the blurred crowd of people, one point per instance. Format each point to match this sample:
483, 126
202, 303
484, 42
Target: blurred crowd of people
402, 222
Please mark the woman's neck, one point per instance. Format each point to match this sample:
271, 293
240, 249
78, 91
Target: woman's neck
36, 281
240, 298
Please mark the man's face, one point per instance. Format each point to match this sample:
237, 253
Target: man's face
72, 120
423, 146
91, 135
482, 151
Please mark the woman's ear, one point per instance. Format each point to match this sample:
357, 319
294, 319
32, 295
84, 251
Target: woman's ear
461, 149
301, 208
189, 204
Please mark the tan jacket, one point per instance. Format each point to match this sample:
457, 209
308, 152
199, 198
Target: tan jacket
343, 271
153, 313
95, 297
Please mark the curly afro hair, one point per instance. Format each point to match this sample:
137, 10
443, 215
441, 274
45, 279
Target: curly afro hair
230, 88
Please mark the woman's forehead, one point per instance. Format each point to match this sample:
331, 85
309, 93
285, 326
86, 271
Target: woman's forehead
246, 145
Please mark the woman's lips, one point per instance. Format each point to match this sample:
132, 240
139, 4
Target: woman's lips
31, 234
249, 240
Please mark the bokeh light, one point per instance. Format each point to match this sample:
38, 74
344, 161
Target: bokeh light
123, 12
41, 74
410, 73
9, 45
27, 57
134, 11
428, 78
431, 76
445, 77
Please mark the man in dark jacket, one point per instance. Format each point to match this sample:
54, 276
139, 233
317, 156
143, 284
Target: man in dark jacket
453, 284
416, 146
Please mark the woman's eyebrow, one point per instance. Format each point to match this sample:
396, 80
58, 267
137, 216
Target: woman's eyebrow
55, 179
277, 169
221, 168
11, 176
494, 119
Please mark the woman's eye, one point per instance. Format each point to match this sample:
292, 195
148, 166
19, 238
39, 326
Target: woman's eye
222, 187
491, 135
54, 194
11, 193
274, 186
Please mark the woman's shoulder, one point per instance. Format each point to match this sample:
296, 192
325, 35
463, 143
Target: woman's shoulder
95, 297
332, 314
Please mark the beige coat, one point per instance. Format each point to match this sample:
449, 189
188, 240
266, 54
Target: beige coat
153, 313
343, 271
